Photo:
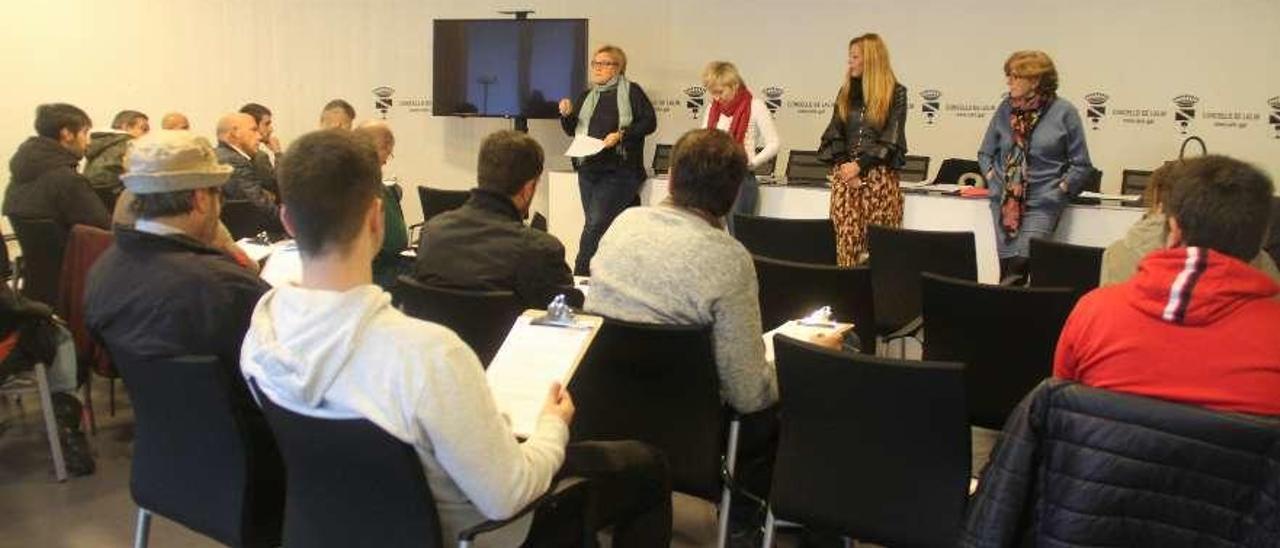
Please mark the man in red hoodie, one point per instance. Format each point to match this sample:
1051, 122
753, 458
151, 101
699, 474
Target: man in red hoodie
1196, 324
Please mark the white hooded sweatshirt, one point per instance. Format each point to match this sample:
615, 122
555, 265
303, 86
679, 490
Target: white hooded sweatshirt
352, 355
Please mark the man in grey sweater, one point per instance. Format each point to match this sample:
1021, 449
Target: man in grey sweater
675, 264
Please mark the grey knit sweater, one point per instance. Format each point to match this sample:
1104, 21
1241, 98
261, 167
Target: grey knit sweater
667, 265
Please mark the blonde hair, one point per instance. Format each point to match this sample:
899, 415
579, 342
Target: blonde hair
616, 53
877, 81
1033, 65
722, 74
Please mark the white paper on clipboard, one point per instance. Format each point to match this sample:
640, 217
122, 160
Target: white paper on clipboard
583, 146
532, 358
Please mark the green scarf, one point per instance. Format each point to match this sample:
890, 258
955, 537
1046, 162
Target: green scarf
618, 82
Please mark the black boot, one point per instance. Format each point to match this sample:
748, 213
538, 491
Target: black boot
1013, 271
75, 447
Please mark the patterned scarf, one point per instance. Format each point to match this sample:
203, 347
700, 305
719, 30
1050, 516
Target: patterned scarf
1023, 118
623, 86
739, 108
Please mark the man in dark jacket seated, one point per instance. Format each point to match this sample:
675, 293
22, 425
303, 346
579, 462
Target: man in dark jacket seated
45, 184
166, 288
238, 141
1197, 324
484, 244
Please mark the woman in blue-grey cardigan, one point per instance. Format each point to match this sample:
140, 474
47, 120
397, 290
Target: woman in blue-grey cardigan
1034, 157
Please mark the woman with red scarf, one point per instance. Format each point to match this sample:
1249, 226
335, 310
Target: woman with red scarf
736, 111
1034, 156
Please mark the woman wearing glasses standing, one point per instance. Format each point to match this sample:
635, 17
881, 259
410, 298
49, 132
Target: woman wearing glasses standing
865, 144
618, 112
1034, 156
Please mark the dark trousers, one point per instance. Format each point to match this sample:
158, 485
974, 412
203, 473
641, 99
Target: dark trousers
605, 193
747, 201
630, 491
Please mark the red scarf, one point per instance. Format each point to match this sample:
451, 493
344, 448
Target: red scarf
739, 108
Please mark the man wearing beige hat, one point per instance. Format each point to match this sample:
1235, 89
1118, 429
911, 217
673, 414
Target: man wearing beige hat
166, 288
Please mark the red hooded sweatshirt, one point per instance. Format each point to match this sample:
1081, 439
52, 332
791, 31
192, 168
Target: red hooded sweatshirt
1192, 326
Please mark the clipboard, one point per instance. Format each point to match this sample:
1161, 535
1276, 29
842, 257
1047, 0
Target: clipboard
535, 354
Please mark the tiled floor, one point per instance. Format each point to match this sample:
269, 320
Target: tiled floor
96, 510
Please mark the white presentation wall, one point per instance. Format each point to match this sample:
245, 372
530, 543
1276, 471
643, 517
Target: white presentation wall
1136, 60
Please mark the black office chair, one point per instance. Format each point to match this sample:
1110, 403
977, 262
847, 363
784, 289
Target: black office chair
659, 384
790, 290
43, 243
436, 201
661, 159
7, 269
353, 484
1005, 336
898, 257
952, 169
202, 456
481, 318
1133, 182
801, 240
915, 169
875, 449
242, 219
1092, 183
766, 169
805, 169
1059, 264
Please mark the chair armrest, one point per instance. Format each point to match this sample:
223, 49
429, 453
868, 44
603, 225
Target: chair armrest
911, 329
558, 491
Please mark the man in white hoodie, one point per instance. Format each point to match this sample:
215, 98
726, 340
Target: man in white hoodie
334, 347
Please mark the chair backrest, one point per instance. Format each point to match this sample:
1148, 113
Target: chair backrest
800, 240
84, 246
350, 483
1004, 335
43, 242
874, 448
914, 169
661, 159
804, 165
6, 264
198, 459
766, 169
899, 256
657, 384
1059, 264
1134, 182
790, 290
436, 201
242, 219
481, 318
952, 169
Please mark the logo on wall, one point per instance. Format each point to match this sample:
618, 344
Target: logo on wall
695, 98
1186, 111
930, 105
1274, 103
1097, 109
382, 100
773, 99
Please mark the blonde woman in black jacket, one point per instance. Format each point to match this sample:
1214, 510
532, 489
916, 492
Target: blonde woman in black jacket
865, 144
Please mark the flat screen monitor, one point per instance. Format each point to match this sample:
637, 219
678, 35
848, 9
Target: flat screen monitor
507, 68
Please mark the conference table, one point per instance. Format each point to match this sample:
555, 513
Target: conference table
1091, 225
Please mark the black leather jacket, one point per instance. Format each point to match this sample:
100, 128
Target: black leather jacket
1080, 466
851, 140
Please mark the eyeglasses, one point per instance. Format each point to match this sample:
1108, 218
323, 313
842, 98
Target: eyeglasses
602, 64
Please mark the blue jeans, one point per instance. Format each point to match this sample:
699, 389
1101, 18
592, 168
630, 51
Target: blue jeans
1044, 208
747, 202
605, 194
